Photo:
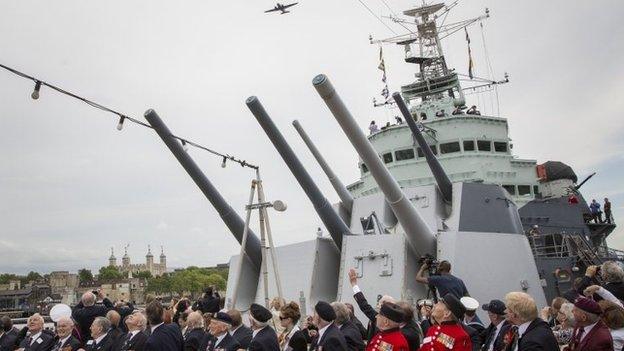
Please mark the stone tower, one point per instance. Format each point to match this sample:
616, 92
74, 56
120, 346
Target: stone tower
163, 261
112, 260
125, 260
149, 259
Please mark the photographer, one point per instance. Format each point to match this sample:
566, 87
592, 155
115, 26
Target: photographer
612, 275
86, 310
441, 279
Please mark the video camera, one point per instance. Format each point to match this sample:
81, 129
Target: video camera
431, 262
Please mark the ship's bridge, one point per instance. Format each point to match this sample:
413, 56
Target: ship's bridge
471, 148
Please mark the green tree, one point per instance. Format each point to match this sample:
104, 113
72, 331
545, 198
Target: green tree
85, 275
143, 274
6, 277
109, 273
33, 276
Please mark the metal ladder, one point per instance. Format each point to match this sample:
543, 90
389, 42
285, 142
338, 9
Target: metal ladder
585, 251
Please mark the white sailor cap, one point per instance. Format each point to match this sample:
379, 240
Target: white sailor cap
470, 303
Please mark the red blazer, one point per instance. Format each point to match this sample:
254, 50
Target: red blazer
598, 339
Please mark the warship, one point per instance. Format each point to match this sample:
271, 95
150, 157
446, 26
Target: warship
440, 184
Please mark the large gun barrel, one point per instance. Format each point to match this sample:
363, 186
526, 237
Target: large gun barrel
419, 235
444, 183
232, 220
334, 224
343, 193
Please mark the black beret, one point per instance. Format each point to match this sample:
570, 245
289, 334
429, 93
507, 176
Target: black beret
260, 313
325, 311
454, 305
223, 317
393, 312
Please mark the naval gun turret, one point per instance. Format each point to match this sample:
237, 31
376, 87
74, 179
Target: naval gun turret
334, 224
250, 270
417, 232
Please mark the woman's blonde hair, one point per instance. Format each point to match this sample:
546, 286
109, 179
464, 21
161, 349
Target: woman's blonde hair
521, 304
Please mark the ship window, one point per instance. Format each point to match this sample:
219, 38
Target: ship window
448, 148
484, 145
469, 145
535, 189
406, 154
511, 189
524, 189
387, 158
422, 154
500, 146
364, 168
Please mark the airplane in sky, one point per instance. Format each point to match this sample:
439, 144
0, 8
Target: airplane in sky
280, 7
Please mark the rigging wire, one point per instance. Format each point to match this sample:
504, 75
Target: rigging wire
489, 65
122, 117
377, 17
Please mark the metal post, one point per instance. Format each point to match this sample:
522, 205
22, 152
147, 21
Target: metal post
265, 271
241, 257
264, 218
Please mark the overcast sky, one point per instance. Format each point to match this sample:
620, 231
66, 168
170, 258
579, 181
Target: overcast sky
72, 185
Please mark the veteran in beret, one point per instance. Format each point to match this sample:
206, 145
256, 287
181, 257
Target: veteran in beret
388, 322
329, 338
264, 337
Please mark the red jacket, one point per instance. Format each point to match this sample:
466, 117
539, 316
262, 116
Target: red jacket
447, 336
388, 340
597, 339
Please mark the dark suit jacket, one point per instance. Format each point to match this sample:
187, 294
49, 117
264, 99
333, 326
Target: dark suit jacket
359, 325
46, 343
84, 316
194, 338
8, 340
106, 344
265, 340
488, 334
352, 336
538, 336
167, 337
369, 312
72, 342
243, 336
298, 341
598, 339
411, 333
229, 343
332, 340
136, 343
475, 339
208, 304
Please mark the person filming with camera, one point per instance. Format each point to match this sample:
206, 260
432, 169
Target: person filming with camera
440, 278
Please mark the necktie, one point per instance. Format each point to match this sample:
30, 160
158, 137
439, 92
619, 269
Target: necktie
57, 346
514, 340
577, 338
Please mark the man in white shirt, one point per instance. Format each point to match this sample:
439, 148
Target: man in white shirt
136, 337
36, 340
528, 331
100, 333
64, 327
590, 334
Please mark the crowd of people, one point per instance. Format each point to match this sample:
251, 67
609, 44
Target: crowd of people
374, 128
589, 317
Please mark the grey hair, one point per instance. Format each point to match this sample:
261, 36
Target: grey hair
38, 317
342, 312
612, 272
141, 320
103, 322
257, 322
88, 299
591, 317
566, 309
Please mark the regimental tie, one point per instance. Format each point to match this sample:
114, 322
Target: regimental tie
514, 340
57, 346
576, 341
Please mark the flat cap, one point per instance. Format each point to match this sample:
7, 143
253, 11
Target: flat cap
325, 311
393, 312
260, 313
495, 306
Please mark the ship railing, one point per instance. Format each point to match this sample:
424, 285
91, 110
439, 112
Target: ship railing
550, 245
